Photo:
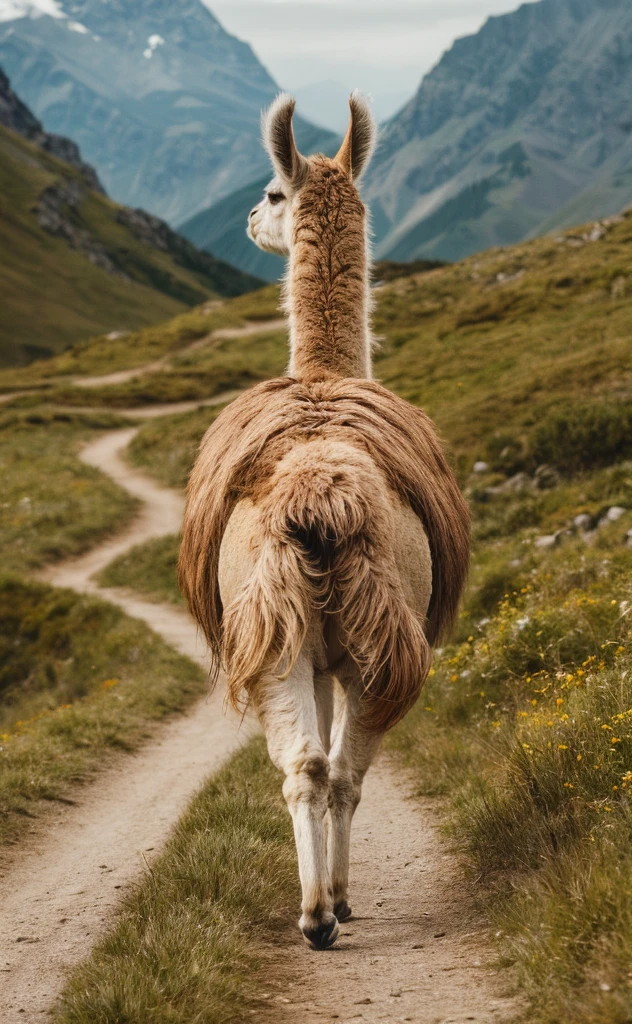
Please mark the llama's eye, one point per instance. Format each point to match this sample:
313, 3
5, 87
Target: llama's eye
275, 197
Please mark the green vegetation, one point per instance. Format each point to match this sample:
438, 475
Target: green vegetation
149, 568
79, 679
126, 351
167, 446
221, 365
501, 340
526, 726
53, 505
226, 878
577, 437
52, 294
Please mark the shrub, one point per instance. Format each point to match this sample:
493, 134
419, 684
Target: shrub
581, 437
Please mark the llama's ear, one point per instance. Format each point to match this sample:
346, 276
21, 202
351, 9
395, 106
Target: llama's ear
278, 139
359, 142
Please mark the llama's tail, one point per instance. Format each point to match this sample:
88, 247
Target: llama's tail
326, 545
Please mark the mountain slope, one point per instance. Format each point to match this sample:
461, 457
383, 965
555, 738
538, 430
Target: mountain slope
159, 97
519, 129
73, 263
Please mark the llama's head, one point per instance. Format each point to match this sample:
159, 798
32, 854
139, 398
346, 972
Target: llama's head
270, 223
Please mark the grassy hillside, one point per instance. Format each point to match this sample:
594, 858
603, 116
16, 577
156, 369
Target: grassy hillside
53, 505
106, 353
78, 681
75, 264
488, 346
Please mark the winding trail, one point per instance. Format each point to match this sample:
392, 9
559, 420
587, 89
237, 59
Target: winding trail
221, 334
416, 950
56, 894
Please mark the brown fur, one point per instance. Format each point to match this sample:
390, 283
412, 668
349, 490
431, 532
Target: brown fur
359, 141
319, 459
328, 298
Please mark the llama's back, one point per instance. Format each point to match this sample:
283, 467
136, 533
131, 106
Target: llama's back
329, 496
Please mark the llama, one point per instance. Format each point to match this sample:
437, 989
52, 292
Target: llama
325, 539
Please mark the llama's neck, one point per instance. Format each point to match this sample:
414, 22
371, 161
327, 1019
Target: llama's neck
327, 290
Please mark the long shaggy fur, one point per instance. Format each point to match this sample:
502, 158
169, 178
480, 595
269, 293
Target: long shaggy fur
318, 460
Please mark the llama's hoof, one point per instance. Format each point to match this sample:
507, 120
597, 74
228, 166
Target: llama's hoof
321, 936
342, 910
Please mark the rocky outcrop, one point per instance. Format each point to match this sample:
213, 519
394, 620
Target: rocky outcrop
14, 114
57, 209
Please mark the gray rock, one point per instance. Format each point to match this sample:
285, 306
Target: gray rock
14, 114
514, 485
582, 522
611, 516
480, 467
614, 514
546, 478
548, 541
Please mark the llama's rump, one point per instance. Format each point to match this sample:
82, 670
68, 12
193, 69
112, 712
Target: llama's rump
242, 450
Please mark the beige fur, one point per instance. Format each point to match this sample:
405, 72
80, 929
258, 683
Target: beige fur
325, 540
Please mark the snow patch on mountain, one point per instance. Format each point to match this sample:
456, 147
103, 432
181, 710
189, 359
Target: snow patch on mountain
10, 10
152, 44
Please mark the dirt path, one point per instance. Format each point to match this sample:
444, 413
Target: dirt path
56, 894
221, 334
416, 949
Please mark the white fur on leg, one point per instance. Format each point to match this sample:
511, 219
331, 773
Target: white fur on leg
287, 710
352, 752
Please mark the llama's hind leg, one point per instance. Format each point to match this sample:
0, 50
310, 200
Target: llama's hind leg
352, 751
288, 713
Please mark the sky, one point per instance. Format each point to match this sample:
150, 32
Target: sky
381, 46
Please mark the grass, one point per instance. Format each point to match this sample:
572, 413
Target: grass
526, 727
106, 354
52, 295
167, 446
203, 914
148, 568
52, 504
226, 364
79, 680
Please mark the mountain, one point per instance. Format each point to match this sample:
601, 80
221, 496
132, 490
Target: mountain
72, 262
520, 129
161, 99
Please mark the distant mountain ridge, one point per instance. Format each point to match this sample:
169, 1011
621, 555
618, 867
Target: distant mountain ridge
75, 264
161, 99
519, 129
